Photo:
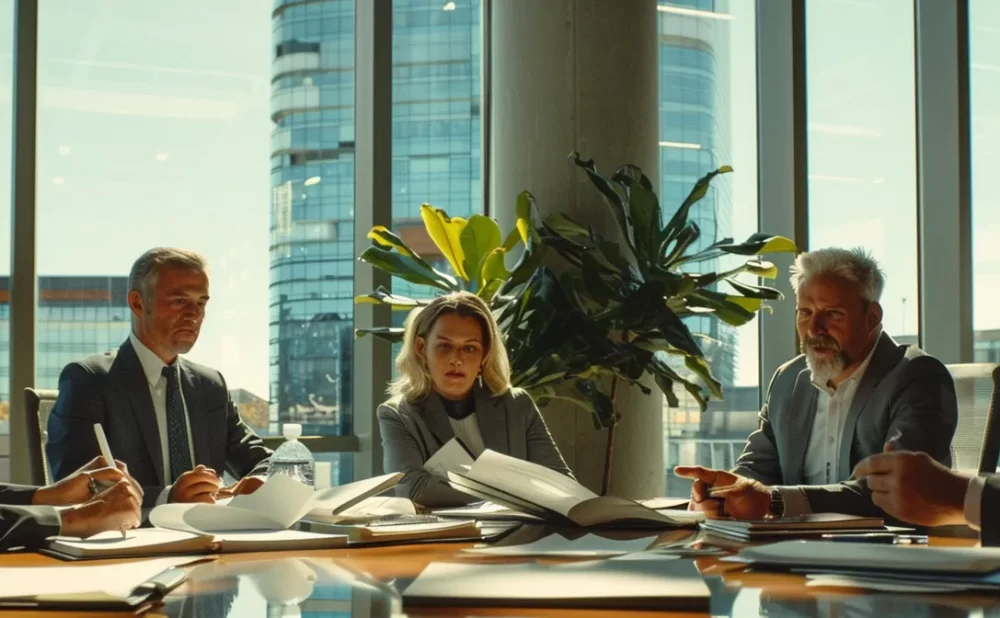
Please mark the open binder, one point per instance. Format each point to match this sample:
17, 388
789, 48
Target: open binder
549, 495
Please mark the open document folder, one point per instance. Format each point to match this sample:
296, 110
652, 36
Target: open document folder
276, 505
531, 488
114, 587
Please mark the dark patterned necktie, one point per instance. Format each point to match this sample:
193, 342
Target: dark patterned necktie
177, 437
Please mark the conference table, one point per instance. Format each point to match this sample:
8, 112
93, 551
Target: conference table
319, 583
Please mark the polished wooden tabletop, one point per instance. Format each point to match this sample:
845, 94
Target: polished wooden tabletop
245, 585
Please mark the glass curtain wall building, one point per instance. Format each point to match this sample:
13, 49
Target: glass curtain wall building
695, 138
77, 316
436, 159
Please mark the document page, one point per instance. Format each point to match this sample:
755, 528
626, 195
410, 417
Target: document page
117, 581
452, 457
531, 482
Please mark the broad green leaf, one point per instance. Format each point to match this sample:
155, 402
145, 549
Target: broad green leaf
387, 239
489, 290
391, 334
679, 220
408, 269
725, 307
759, 244
494, 267
479, 237
612, 198
446, 233
700, 366
643, 209
764, 270
750, 304
687, 237
382, 296
525, 204
755, 291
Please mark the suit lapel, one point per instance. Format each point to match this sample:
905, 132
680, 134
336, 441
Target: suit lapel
492, 420
195, 402
434, 416
798, 425
886, 356
132, 380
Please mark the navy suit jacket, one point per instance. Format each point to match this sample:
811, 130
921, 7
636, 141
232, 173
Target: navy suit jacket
24, 526
111, 389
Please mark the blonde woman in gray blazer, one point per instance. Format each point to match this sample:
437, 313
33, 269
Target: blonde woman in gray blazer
454, 380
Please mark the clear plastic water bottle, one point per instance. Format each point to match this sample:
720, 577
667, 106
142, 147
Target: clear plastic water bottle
292, 457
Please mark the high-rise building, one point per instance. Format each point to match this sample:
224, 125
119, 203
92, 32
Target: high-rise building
695, 138
77, 316
435, 159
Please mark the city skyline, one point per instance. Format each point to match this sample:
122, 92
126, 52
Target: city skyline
124, 123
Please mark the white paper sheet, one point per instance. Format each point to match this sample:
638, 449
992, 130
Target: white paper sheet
276, 505
881, 585
589, 545
115, 580
451, 457
135, 539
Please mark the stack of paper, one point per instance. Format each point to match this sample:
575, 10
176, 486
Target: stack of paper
448, 530
815, 524
158, 542
531, 488
115, 587
487, 511
664, 584
971, 567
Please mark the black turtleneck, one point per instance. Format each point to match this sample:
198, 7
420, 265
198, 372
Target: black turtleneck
459, 409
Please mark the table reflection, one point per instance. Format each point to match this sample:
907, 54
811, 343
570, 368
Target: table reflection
282, 588
753, 603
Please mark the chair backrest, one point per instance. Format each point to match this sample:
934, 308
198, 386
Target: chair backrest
38, 405
974, 385
988, 461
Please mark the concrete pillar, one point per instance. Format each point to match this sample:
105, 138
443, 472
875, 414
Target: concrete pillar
580, 75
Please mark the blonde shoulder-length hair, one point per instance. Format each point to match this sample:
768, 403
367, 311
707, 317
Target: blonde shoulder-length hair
414, 381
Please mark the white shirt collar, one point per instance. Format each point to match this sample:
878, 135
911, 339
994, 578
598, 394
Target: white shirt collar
851, 379
152, 365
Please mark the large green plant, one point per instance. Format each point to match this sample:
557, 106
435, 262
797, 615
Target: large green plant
611, 310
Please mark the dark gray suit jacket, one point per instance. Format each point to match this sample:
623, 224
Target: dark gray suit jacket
111, 389
914, 397
413, 431
24, 526
989, 514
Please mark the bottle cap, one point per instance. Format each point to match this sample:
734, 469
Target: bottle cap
291, 431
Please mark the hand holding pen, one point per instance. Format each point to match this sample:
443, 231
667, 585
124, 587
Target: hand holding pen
720, 494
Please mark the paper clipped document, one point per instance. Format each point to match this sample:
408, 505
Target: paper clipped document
589, 545
276, 505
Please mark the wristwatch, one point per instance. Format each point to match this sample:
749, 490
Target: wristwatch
777, 509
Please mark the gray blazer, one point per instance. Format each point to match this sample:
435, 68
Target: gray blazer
906, 393
412, 431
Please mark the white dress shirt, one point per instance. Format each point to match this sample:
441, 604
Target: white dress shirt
822, 460
152, 366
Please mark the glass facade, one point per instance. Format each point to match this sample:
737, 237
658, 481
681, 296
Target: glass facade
435, 159
701, 73
76, 317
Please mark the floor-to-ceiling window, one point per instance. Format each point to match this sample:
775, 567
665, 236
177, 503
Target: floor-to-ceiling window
707, 92
862, 142
984, 78
6, 108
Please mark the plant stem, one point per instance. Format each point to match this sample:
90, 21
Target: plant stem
609, 452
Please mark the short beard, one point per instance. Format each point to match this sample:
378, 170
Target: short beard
824, 369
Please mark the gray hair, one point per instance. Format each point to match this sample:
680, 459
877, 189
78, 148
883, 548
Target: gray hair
855, 265
142, 277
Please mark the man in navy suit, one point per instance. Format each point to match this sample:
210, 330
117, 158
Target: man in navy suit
169, 419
